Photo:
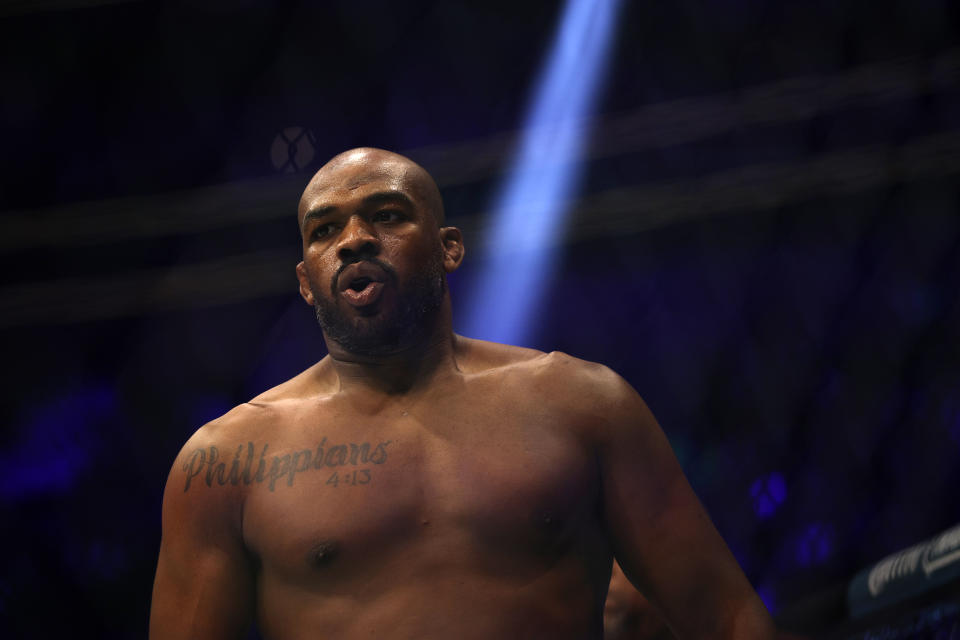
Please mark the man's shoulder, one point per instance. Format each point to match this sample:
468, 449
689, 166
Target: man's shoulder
591, 397
583, 383
244, 423
313, 381
555, 371
263, 413
482, 356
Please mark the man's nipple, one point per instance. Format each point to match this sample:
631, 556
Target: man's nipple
322, 554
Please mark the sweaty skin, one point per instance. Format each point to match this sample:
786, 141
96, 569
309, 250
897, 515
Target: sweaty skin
419, 484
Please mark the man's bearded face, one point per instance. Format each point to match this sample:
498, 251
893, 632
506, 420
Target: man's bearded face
384, 331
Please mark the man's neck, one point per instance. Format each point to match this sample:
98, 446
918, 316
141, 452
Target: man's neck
402, 372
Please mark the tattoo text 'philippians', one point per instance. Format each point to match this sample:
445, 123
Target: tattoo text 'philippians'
248, 467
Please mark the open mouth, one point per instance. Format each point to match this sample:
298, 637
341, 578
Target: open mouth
359, 275
359, 284
362, 292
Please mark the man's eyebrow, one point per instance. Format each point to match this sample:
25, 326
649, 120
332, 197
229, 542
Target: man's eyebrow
374, 199
317, 212
388, 197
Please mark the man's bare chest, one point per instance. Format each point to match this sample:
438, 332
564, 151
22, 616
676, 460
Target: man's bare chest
340, 492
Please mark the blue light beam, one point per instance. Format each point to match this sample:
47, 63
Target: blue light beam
531, 210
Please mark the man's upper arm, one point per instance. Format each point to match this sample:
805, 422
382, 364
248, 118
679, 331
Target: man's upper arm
203, 587
661, 534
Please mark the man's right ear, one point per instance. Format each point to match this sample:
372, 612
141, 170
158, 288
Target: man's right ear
305, 292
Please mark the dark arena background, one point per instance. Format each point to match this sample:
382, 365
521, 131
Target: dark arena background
761, 233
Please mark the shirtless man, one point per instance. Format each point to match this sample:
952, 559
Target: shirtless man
419, 484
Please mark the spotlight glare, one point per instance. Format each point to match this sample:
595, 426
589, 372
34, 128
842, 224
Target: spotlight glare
529, 216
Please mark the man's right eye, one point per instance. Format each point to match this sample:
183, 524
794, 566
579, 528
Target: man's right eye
322, 230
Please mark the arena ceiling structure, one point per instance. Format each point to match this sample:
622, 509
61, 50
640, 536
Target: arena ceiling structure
765, 241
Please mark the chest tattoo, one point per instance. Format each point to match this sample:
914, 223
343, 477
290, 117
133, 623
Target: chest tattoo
251, 464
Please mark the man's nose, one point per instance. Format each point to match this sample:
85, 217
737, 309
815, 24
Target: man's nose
358, 240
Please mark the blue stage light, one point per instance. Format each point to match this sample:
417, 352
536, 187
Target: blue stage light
530, 212
56, 443
768, 494
814, 545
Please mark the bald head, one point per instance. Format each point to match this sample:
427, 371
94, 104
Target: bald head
354, 168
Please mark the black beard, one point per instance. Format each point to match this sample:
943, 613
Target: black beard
384, 334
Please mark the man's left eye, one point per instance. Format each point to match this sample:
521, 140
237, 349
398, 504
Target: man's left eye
387, 216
